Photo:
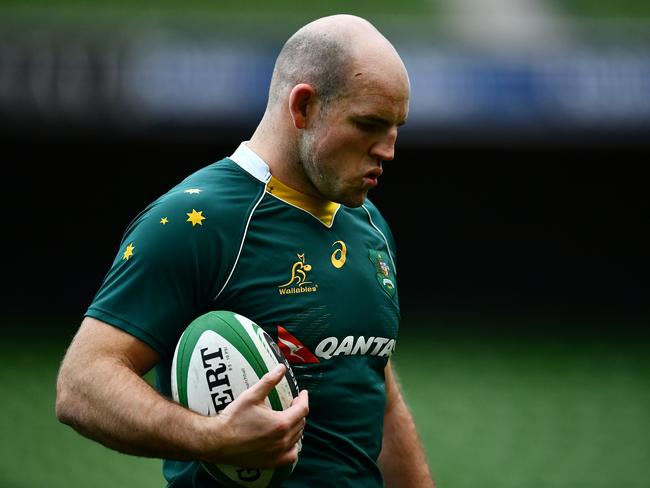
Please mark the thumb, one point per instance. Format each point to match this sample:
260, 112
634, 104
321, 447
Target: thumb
260, 390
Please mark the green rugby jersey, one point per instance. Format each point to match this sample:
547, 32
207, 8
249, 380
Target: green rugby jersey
319, 277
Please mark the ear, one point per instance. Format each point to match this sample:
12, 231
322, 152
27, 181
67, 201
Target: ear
300, 99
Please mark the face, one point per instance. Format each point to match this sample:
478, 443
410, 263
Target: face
342, 150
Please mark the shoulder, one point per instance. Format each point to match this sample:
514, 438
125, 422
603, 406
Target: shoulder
375, 216
378, 221
209, 209
216, 199
222, 186
220, 176
177, 254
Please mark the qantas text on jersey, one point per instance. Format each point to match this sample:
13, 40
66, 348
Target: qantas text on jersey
350, 345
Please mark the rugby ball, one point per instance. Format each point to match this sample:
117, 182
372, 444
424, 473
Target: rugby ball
219, 356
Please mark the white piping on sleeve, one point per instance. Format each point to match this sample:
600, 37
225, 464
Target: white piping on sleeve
241, 246
390, 254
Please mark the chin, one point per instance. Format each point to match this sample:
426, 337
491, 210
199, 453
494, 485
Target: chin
355, 201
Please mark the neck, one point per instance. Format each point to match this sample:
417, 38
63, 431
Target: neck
270, 142
277, 146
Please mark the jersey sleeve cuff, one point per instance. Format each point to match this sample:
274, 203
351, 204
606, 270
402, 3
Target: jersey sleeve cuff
129, 328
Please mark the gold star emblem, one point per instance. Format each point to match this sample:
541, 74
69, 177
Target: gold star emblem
164, 220
193, 191
129, 252
195, 217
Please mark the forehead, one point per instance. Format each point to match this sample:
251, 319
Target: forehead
377, 96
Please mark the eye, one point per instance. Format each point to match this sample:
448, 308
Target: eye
366, 126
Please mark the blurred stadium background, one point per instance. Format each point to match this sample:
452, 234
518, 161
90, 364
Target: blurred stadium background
524, 347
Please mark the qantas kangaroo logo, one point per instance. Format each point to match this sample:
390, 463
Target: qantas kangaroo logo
293, 349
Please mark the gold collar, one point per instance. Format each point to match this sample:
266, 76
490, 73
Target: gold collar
322, 209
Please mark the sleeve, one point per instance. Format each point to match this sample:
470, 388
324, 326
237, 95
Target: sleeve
169, 264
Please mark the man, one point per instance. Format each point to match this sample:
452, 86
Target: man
280, 232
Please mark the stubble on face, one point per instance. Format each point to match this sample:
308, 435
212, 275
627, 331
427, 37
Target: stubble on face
314, 168
322, 174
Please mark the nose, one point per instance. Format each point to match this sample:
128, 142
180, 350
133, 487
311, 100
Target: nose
384, 149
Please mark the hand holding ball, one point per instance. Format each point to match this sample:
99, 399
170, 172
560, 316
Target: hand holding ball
219, 356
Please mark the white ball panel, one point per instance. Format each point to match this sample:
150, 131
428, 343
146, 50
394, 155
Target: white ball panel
228, 374
256, 335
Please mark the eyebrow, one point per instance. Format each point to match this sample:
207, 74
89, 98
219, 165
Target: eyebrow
379, 120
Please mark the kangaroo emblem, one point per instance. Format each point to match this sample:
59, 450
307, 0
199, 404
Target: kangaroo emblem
299, 272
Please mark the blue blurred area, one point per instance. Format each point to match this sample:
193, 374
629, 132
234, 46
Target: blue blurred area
574, 89
164, 79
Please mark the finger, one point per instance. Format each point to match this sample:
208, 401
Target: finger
289, 456
295, 431
299, 408
297, 398
260, 390
296, 436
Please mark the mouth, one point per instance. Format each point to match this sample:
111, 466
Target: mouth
371, 178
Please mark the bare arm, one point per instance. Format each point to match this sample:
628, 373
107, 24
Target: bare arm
101, 394
402, 459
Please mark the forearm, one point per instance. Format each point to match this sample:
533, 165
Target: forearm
100, 393
107, 402
402, 459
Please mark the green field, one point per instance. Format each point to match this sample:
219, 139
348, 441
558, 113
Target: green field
242, 19
281, 9
119, 20
499, 409
277, 7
